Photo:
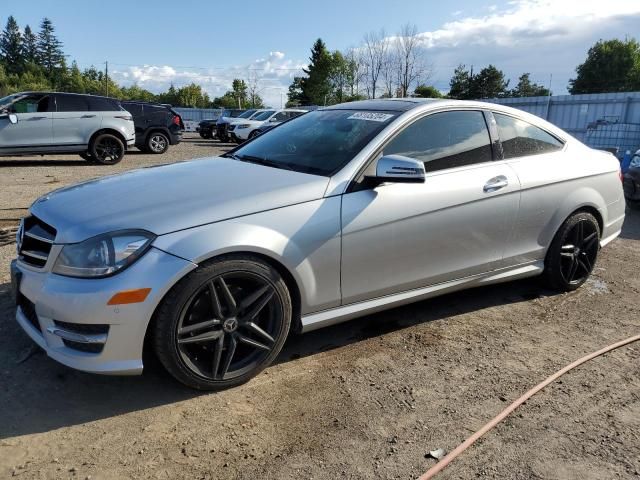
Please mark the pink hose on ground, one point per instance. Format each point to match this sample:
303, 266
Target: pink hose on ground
469, 441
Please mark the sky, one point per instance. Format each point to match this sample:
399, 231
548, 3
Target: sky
156, 43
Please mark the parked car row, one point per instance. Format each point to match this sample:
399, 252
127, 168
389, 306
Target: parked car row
237, 125
99, 129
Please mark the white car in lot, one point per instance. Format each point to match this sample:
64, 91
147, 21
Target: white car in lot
245, 130
97, 128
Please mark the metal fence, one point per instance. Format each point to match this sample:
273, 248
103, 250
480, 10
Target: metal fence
198, 114
601, 120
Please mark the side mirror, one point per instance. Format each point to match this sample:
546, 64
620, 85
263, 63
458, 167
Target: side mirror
13, 118
399, 169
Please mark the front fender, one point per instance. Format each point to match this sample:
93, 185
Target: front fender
303, 238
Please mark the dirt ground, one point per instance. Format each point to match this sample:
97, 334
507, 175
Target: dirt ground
365, 399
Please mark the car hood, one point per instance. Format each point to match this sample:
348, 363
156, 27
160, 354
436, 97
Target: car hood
173, 197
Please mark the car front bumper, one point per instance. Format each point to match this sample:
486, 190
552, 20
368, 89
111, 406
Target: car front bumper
70, 319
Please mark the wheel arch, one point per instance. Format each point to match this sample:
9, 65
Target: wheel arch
110, 131
287, 276
153, 130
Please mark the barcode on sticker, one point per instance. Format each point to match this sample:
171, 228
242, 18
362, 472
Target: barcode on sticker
371, 116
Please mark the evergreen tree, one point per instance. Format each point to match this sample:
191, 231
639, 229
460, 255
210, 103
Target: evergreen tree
11, 46
49, 49
316, 87
489, 83
30, 45
295, 95
526, 88
460, 83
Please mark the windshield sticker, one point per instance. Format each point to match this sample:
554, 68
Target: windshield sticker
371, 116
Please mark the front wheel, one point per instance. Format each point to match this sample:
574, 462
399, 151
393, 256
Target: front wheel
573, 252
254, 134
223, 323
107, 149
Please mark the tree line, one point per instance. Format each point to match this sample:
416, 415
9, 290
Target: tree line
396, 66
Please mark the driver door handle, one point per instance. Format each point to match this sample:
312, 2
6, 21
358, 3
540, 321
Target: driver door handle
496, 183
38, 118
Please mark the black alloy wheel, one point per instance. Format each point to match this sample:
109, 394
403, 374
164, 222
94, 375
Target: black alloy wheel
107, 149
573, 253
223, 324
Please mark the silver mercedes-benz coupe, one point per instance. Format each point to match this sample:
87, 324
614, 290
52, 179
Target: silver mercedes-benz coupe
338, 213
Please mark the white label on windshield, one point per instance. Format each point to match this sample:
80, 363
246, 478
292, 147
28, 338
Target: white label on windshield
371, 116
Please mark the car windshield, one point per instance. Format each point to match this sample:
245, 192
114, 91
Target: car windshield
319, 142
255, 114
263, 115
247, 114
6, 101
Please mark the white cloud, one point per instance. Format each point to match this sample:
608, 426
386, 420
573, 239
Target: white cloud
273, 74
544, 37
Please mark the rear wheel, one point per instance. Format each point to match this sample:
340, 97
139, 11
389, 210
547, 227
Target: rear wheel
573, 252
157, 143
107, 149
223, 323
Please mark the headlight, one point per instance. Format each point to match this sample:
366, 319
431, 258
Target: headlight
244, 125
635, 162
103, 255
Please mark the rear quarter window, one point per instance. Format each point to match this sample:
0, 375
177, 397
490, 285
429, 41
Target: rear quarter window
521, 139
98, 104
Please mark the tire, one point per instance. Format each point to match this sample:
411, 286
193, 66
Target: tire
107, 149
87, 156
254, 134
231, 344
157, 143
573, 252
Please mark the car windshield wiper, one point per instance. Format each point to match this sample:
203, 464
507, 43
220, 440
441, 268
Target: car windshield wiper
261, 161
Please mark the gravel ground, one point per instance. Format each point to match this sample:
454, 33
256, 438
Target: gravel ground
366, 399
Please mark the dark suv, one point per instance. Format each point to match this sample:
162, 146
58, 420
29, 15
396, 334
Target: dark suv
222, 124
157, 126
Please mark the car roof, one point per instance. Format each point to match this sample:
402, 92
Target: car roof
66, 93
388, 104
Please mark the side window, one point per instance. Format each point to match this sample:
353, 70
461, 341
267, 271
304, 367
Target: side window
31, 104
71, 103
520, 138
99, 104
445, 140
280, 117
134, 109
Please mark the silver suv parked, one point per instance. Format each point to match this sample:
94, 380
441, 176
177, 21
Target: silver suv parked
97, 128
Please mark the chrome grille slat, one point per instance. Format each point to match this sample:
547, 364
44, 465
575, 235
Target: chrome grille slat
37, 237
36, 242
39, 256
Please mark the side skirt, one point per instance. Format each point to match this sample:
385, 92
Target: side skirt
341, 314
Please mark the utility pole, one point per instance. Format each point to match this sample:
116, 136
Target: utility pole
106, 77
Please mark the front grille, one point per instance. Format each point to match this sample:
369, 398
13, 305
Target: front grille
29, 311
37, 239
